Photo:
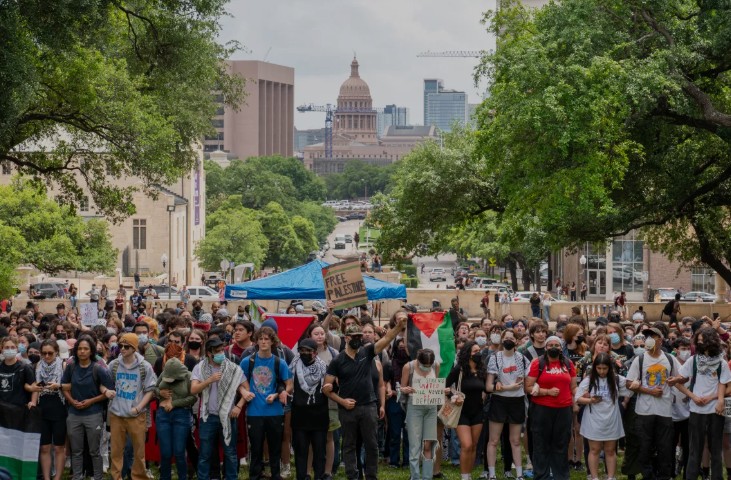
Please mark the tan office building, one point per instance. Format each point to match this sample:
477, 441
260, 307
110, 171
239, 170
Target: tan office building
264, 124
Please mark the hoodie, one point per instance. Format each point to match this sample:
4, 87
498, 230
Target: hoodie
176, 377
128, 384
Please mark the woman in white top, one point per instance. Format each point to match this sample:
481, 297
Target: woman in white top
421, 420
601, 423
506, 371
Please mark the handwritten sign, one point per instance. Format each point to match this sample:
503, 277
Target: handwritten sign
427, 391
89, 314
344, 284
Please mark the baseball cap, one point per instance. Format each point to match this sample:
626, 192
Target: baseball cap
353, 330
652, 331
213, 342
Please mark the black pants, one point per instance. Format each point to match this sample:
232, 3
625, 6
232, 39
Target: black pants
656, 437
302, 440
363, 419
681, 435
271, 428
631, 464
551, 430
704, 427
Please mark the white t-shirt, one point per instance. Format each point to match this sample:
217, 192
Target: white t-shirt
213, 392
507, 371
655, 373
707, 380
602, 421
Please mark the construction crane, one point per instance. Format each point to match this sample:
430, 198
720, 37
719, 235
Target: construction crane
452, 53
330, 111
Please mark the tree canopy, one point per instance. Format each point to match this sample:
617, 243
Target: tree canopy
357, 176
130, 79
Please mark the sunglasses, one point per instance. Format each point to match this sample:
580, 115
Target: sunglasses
126, 346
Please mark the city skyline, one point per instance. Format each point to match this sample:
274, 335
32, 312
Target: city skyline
318, 39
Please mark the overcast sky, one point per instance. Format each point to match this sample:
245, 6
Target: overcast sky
318, 38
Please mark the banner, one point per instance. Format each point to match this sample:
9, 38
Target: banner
427, 391
20, 440
290, 327
344, 284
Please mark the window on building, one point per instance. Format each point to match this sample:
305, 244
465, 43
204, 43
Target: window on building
702, 279
217, 123
84, 204
627, 258
219, 111
139, 234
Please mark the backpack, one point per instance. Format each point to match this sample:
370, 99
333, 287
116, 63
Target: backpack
642, 357
695, 372
277, 362
669, 307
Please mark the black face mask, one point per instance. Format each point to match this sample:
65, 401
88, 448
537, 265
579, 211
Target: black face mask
60, 336
508, 344
34, 358
355, 343
306, 358
477, 358
579, 340
554, 352
194, 345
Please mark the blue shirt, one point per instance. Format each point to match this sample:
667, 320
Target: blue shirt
263, 383
83, 386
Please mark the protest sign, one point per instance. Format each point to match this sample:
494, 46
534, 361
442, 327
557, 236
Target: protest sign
427, 391
89, 314
344, 284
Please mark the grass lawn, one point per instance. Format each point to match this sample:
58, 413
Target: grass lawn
365, 232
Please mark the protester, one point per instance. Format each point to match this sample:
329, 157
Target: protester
51, 402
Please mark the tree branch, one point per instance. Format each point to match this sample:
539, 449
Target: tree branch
650, 20
710, 112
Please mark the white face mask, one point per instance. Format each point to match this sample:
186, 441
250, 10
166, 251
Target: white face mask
649, 343
10, 353
481, 341
682, 354
495, 338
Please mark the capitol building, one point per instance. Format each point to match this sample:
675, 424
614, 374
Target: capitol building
355, 135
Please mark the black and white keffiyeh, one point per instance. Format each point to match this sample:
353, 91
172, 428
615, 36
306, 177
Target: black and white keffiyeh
309, 376
50, 373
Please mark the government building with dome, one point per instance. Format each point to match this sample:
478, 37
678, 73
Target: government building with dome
354, 132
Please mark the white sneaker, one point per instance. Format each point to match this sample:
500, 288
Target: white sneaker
243, 461
285, 470
483, 475
150, 475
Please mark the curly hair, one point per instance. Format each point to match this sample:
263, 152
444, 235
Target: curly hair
463, 360
711, 341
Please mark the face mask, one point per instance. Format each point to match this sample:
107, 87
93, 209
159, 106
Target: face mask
355, 343
481, 341
495, 338
194, 345
614, 338
554, 352
10, 353
218, 358
650, 343
227, 338
306, 358
639, 351
34, 358
683, 354
142, 339
60, 336
508, 344
628, 338
424, 368
700, 347
22, 348
477, 358
112, 330
112, 345
579, 340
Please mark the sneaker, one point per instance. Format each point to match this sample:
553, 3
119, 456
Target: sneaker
483, 475
492, 478
243, 462
518, 478
285, 470
150, 475
508, 474
528, 473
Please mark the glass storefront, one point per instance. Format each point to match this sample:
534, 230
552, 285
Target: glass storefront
702, 279
627, 263
596, 268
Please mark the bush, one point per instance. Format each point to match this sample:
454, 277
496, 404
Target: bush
409, 270
410, 282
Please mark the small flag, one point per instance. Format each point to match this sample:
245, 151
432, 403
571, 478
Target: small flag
434, 331
20, 440
256, 312
291, 327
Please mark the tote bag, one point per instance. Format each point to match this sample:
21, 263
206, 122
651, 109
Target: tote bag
450, 412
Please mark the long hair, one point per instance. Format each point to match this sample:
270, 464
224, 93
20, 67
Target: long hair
711, 341
463, 360
603, 359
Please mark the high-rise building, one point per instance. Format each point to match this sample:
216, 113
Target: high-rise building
391, 116
264, 123
443, 107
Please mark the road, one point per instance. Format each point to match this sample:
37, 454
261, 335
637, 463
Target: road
342, 228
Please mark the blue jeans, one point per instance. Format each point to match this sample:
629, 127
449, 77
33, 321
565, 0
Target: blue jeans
454, 447
173, 429
535, 311
547, 312
421, 424
208, 431
396, 430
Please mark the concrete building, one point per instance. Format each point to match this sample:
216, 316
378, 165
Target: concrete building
264, 124
391, 116
355, 132
171, 225
443, 107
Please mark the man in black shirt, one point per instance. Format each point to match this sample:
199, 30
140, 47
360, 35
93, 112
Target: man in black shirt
456, 314
356, 398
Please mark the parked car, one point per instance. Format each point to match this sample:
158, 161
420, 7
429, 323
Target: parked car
162, 291
202, 293
341, 218
704, 297
482, 283
48, 289
339, 242
667, 294
348, 238
437, 275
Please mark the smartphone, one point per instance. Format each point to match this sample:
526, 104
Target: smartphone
715, 315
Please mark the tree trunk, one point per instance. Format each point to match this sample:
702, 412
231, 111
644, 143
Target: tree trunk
513, 273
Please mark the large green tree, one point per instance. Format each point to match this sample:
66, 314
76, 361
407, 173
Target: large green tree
285, 245
358, 179
611, 115
130, 79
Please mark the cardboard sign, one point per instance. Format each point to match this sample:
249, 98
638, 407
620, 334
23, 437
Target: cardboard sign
344, 284
89, 313
427, 391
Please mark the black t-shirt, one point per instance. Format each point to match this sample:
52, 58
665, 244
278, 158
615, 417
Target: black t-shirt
472, 388
354, 375
12, 379
310, 417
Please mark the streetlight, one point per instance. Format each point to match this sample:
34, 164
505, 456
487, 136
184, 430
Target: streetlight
582, 261
165, 263
171, 209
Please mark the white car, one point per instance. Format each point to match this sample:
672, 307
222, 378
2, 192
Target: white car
437, 275
203, 293
522, 296
339, 242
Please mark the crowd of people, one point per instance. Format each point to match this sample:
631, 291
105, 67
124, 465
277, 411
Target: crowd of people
224, 394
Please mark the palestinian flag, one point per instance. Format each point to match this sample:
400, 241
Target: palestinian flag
20, 440
432, 330
256, 312
291, 327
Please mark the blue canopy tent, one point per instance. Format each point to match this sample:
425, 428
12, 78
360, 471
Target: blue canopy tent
305, 283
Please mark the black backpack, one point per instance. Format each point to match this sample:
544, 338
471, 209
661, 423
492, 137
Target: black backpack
668, 308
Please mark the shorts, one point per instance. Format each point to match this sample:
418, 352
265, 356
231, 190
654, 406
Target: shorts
334, 420
506, 410
53, 432
471, 418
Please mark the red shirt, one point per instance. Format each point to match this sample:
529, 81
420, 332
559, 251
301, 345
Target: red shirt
555, 374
